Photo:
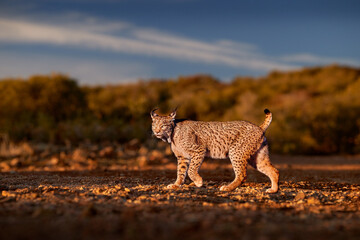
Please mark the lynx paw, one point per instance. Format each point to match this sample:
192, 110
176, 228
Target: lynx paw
225, 188
198, 183
172, 186
270, 190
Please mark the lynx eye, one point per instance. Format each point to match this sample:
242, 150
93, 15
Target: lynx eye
163, 127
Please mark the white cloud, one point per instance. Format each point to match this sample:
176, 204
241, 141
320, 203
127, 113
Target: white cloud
221, 47
120, 37
135, 40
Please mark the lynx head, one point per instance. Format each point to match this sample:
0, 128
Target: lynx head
163, 126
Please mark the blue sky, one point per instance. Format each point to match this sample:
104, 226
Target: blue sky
109, 41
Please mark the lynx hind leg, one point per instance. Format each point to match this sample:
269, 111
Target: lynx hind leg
261, 162
238, 157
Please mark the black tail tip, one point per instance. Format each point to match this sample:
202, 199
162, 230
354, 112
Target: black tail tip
266, 111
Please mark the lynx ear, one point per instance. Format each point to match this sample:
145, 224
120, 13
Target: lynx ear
173, 114
153, 114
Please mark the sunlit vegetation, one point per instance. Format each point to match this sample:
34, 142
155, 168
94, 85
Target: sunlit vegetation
315, 110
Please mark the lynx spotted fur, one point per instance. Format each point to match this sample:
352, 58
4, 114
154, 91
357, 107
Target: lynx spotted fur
240, 141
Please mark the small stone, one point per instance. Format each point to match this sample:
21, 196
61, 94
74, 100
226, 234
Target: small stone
142, 197
299, 196
33, 195
207, 204
8, 194
313, 200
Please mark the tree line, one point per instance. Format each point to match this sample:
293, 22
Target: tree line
315, 110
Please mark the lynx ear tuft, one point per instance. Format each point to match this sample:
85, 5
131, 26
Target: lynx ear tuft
173, 114
153, 114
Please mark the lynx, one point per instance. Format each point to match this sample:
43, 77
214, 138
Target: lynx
240, 141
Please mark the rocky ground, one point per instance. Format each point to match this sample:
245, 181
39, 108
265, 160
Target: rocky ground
58, 197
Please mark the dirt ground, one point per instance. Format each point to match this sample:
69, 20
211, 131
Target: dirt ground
318, 199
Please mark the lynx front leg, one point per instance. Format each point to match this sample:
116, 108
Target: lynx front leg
195, 165
182, 168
